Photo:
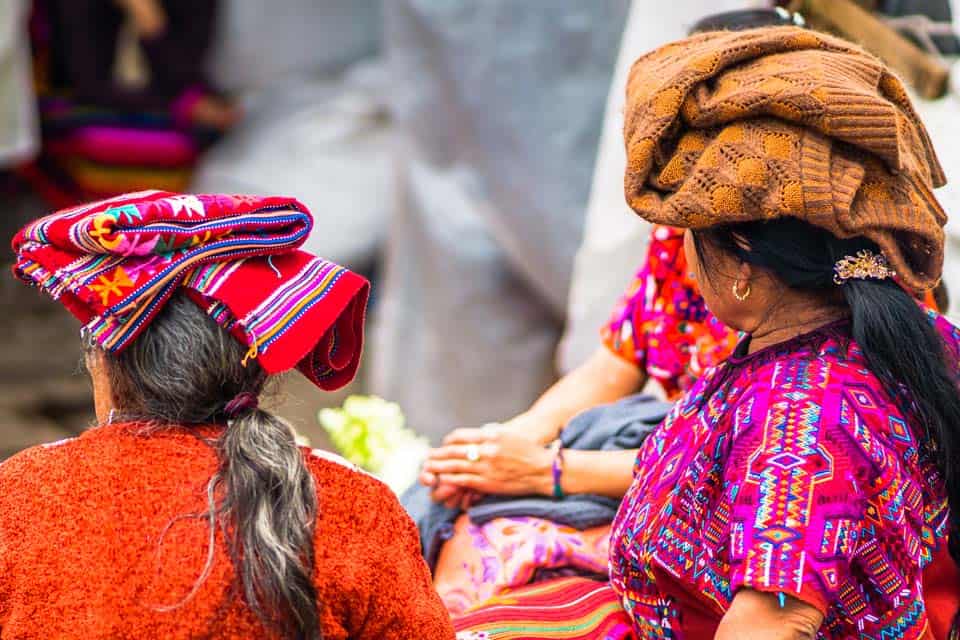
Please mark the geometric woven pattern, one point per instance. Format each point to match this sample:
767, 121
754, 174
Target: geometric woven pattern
789, 470
662, 324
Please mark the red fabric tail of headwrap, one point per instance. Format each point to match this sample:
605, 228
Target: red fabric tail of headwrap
115, 263
293, 310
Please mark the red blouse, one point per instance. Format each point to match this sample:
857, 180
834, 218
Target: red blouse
83, 555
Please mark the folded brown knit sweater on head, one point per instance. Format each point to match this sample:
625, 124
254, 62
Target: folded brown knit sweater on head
728, 127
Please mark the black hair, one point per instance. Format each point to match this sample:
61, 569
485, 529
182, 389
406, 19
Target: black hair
740, 19
900, 344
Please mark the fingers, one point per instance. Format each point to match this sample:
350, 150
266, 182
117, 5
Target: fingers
427, 479
470, 499
466, 481
460, 451
445, 492
469, 436
451, 465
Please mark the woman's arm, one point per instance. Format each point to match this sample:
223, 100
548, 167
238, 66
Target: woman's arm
604, 473
603, 378
755, 615
510, 464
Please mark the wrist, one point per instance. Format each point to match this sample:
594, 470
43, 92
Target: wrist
544, 481
540, 426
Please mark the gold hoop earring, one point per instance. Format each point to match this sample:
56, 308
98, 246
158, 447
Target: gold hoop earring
736, 291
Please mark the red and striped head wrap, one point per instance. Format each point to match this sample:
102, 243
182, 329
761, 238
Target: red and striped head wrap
114, 264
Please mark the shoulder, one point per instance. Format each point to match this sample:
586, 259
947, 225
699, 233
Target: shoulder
100, 460
948, 331
31, 465
347, 491
824, 385
328, 467
828, 399
359, 516
34, 485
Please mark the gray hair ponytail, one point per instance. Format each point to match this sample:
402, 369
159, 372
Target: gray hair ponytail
183, 370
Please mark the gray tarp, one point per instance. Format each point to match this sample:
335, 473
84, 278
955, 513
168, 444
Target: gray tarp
19, 136
316, 124
498, 105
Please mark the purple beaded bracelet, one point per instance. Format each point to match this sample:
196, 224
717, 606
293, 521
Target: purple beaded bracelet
557, 469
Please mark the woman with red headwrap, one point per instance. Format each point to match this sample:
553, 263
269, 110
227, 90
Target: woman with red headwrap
190, 511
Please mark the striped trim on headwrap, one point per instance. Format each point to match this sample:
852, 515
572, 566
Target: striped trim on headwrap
114, 264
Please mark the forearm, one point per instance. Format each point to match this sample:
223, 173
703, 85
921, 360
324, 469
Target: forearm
765, 616
603, 378
604, 473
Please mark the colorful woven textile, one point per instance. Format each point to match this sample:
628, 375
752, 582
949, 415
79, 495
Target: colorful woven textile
734, 126
662, 325
571, 608
114, 263
789, 470
91, 153
480, 562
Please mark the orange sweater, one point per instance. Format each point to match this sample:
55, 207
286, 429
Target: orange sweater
80, 557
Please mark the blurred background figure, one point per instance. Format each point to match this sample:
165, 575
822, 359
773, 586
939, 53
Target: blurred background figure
316, 121
125, 99
19, 135
498, 106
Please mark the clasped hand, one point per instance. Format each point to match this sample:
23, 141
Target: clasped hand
504, 463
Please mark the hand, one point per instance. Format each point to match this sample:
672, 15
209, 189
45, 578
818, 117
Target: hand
148, 17
508, 463
216, 113
451, 496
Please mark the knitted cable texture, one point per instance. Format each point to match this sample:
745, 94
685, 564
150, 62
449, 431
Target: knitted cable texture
727, 127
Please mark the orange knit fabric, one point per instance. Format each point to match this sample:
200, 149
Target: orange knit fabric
727, 127
81, 555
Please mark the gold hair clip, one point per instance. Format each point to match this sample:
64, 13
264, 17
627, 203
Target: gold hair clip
866, 264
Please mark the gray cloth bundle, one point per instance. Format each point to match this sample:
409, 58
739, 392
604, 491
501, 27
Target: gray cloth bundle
622, 425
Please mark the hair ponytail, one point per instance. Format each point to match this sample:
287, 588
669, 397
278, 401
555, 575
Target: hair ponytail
907, 353
184, 370
268, 512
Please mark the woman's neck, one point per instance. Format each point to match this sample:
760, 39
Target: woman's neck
789, 325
